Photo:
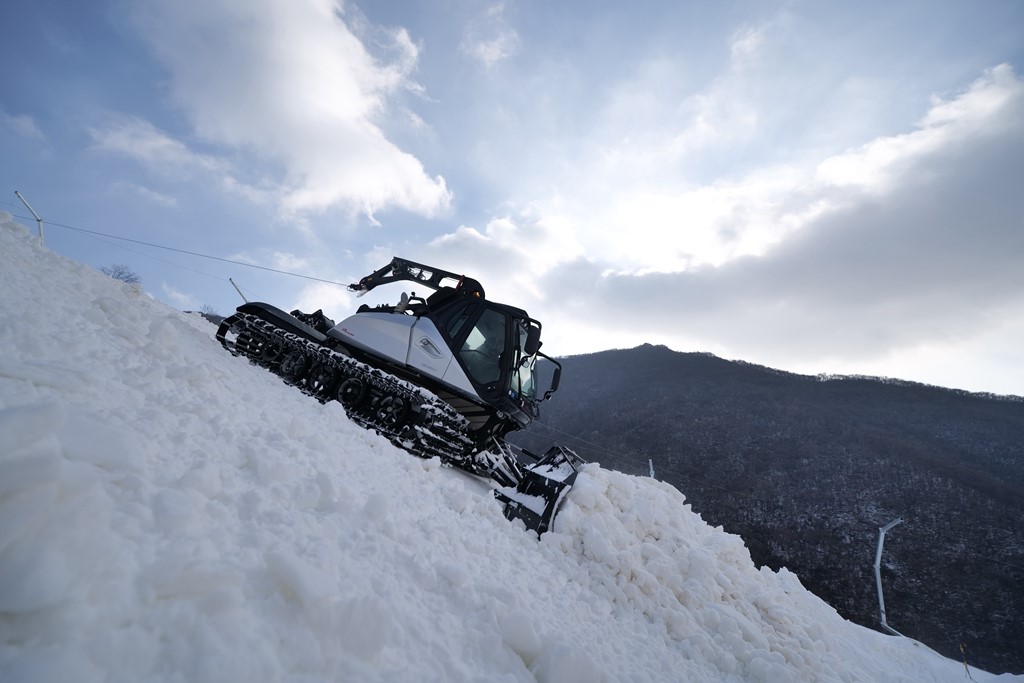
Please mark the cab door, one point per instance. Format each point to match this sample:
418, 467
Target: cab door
428, 350
481, 339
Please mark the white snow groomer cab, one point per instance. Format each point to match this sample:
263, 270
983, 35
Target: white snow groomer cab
449, 375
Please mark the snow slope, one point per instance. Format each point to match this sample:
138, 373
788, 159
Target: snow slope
169, 512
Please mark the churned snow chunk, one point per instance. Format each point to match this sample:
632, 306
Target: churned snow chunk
364, 626
23, 425
560, 662
300, 579
518, 632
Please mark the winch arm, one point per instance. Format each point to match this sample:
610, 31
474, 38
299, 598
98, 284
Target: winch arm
403, 270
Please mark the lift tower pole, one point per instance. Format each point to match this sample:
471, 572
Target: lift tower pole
878, 572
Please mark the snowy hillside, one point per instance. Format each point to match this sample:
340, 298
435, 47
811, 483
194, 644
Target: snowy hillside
170, 513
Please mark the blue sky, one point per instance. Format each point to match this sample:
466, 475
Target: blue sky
817, 187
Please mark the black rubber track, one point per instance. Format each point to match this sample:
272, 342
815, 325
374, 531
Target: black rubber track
410, 417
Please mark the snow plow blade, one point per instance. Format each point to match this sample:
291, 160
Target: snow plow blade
541, 489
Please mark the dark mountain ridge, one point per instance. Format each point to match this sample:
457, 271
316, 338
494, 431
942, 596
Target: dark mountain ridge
806, 469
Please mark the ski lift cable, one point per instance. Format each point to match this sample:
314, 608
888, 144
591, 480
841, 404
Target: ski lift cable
189, 253
160, 260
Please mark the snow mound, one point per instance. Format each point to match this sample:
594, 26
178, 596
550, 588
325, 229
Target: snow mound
169, 512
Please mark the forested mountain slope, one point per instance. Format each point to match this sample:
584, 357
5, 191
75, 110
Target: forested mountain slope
806, 469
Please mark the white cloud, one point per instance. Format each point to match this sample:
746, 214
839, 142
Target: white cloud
179, 299
291, 84
647, 186
640, 211
990, 360
291, 262
978, 108
971, 115
147, 193
511, 255
163, 156
333, 300
277, 260
746, 44
908, 242
245, 257
488, 38
22, 125
142, 141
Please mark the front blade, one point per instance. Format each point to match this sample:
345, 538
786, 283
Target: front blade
544, 485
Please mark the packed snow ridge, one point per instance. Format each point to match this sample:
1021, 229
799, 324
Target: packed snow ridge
169, 512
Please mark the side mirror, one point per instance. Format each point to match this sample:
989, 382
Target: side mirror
532, 341
554, 379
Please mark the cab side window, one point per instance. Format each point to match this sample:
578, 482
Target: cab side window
456, 323
481, 353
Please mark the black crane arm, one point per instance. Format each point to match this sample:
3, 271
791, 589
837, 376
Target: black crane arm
403, 270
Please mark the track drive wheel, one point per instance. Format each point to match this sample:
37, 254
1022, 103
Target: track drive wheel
320, 380
394, 412
352, 393
294, 366
269, 352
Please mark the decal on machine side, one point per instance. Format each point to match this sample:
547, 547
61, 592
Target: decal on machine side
430, 348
